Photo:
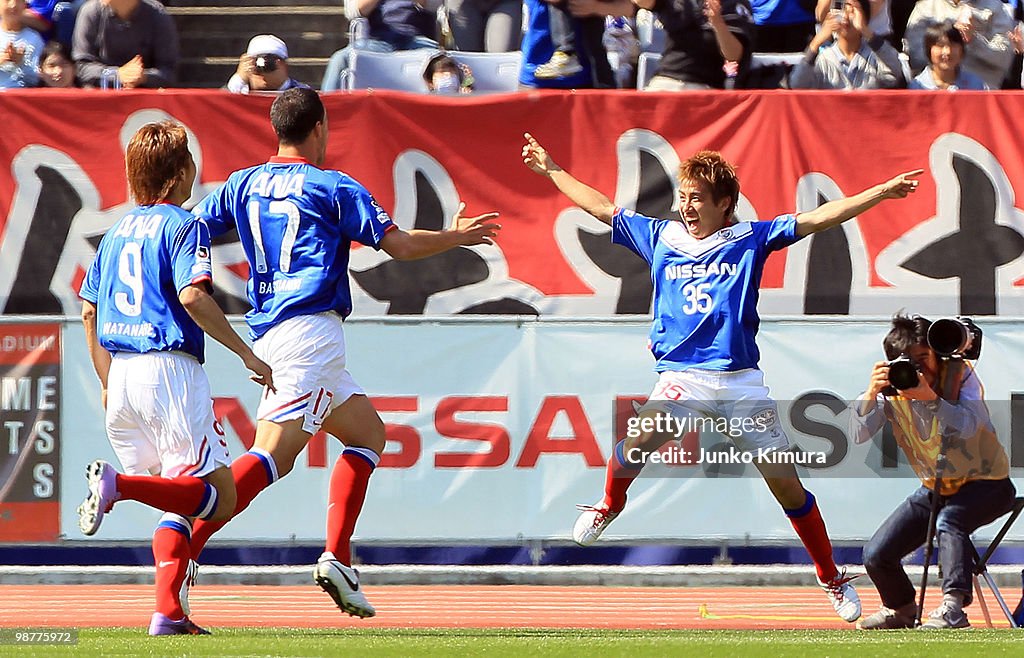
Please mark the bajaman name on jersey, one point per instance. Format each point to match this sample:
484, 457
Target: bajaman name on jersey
696, 270
139, 227
277, 186
280, 285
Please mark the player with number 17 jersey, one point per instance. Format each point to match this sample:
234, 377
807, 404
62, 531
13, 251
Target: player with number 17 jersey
296, 223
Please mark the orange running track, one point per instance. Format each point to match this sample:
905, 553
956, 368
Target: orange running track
440, 606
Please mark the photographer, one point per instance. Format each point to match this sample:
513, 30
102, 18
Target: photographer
263, 67
943, 410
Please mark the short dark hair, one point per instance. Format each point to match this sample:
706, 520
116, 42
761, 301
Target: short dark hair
55, 48
906, 332
295, 113
711, 168
934, 34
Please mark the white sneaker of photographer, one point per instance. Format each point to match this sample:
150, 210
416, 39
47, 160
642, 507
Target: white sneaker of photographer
843, 596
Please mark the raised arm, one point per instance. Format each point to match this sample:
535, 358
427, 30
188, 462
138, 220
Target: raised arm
537, 159
465, 232
836, 212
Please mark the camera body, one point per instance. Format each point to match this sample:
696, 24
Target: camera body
949, 338
903, 372
266, 63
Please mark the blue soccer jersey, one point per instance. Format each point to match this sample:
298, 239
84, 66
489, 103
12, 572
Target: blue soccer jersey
143, 262
705, 291
296, 223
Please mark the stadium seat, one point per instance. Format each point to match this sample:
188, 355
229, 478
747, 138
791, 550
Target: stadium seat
981, 569
64, 14
649, 32
646, 68
493, 72
401, 70
770, 70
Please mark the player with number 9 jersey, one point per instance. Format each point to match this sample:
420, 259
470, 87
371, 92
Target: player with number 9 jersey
146, 308
141, 265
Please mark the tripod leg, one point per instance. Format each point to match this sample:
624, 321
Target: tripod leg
981, 601
999, 597
929, 544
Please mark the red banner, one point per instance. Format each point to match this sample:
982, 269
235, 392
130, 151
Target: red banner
30, 426
954, 247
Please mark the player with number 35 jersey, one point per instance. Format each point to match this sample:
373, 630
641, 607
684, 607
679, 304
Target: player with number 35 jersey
706, 269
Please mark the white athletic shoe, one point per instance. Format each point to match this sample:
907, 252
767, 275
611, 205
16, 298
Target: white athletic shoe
342, 583
191, 571
842, 595
591, 523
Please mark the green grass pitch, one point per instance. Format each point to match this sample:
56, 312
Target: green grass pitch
228, 642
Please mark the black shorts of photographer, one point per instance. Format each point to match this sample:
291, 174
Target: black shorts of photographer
930, 394
263, 67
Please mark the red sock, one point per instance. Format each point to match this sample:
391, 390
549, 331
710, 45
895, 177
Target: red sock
184, 495
348, 490
253, 472
618, 476
810, 528
170, 555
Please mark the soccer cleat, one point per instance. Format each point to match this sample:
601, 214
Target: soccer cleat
103, 494
191, 571
947, 615
561, 65
842, 595
342, 583
591, 523
162, 625
887, 619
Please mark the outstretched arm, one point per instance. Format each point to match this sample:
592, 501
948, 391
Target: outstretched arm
465, 232
836, 212
537, 159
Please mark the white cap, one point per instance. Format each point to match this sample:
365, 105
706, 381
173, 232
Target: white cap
267, 44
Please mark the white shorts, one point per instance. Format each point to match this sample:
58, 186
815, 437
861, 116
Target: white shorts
307, 354
737, 400
160, 416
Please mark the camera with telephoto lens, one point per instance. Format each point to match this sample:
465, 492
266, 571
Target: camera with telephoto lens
903, 373
955, 337
266, 63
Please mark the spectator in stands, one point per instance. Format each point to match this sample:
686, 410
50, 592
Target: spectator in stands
493, 26
945, 47
56, 68
782, 26
135, 38
881, 20
20, 47
446, 76
855, 59
698, 42
263, 67
566, 31
392, 25
538, 46
38, 15
985, 26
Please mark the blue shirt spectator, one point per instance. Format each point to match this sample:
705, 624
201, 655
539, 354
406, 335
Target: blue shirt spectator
20, 48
